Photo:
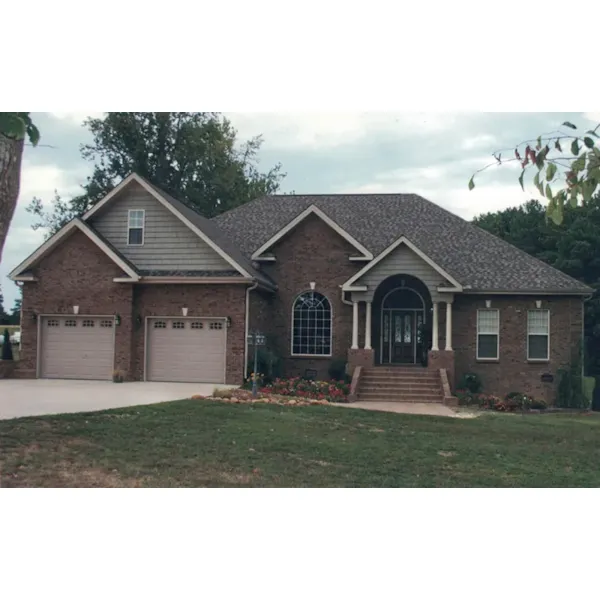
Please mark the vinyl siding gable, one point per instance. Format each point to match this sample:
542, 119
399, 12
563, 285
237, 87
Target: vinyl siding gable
168, 243
402, 261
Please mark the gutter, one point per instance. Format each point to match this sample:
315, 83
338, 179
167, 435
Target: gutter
247, 332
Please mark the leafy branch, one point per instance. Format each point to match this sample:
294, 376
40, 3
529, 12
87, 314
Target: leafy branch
17, 125
578, 165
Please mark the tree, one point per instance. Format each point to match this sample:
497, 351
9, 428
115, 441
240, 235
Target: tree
15, 316
7, 353
3, 315
14, 127
567, 161
573, 247
195, 157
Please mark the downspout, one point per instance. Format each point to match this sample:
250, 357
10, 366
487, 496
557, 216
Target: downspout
248, 290
349, 303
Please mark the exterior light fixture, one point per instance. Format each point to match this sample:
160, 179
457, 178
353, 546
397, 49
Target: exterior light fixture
75, 310
184, 311
34, 317
228, 322
117, 320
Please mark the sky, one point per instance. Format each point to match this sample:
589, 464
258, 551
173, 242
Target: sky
431, 154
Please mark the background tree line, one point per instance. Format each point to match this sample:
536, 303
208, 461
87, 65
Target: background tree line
573, 247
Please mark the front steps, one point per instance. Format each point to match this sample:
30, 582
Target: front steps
400, 384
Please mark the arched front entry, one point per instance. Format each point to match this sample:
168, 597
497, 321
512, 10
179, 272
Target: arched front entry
402, 308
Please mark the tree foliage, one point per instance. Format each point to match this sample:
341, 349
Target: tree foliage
573, 247
196, 157
18, 125
565, 163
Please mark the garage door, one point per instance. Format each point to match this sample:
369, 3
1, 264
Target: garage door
77, 347
186, 350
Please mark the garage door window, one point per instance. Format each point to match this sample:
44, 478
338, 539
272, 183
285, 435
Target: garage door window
53, 323
70, 323
107, 323
216, 325
197, 325
88, 323
160, 325
178, 325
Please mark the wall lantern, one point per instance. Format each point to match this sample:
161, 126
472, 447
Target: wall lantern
117, 320
34, 317
75, 310
184, 311
488, 304
313, 285
138, 320
228, 322
538, 304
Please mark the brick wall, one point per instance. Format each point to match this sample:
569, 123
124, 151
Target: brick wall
77, 273
311, 252
202, 301
512, 372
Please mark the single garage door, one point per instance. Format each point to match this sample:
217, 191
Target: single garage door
186, 350
77, 347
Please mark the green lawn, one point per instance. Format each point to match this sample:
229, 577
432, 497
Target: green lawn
199, 443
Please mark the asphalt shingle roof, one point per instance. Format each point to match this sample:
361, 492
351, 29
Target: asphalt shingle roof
474, 257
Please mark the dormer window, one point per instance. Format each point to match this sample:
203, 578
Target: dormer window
135, 228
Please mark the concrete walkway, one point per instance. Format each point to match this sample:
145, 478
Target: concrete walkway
411, 408
36, 397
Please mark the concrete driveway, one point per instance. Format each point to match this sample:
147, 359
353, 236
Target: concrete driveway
34, 397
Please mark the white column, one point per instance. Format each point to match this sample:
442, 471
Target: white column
368, 328
434, 335
354, 325
448, 325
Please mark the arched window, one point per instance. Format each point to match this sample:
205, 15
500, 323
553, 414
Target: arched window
311, 325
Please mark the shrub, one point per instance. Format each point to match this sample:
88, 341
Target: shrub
118, 376
465, 398
7, 353
470, 382
538, 404
332, 391
337, 369
570, 387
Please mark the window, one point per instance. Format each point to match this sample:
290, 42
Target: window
88, 323
488, 334
70, 323
197, 325
538, 335
106, 323
160, 325
216, 325
53, 323
178, 325
135, 228
311, 325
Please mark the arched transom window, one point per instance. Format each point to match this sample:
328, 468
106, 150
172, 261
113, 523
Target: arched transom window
311, 325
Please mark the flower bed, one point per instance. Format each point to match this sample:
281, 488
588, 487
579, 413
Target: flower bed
241, 396
513, 402
330, 391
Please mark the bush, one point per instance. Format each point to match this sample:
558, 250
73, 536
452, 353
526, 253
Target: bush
570, 387
332, 391
269, 363
7, 353
470, 382
337, 369
512, 402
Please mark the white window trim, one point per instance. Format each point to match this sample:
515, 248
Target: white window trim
292, 353
129, 227
538, 360
497, 357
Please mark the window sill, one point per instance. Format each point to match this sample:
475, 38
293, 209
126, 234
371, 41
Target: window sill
488, 360
538, 361
311, 355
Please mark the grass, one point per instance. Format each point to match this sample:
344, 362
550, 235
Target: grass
201, 443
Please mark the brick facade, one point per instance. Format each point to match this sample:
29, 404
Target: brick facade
512, 372
76, 272
311, 252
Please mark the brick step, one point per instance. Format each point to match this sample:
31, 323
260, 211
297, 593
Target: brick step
376, 397
383, 379
401, 389
400, 370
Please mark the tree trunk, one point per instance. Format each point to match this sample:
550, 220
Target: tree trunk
11, 153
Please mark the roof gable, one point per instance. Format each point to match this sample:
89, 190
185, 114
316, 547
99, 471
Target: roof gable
19, 273
451, 283
364, 254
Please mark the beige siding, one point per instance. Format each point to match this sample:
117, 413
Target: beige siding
188, 350
168, 243
401, 261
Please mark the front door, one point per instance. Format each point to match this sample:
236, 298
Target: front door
402, 336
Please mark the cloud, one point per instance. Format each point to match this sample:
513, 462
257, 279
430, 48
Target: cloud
76, 118
592, 116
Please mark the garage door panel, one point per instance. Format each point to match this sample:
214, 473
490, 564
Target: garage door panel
77, 347
186, 350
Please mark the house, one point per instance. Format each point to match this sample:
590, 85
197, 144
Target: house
143, 284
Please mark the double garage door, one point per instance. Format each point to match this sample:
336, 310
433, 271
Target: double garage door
186, 350
77, 347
